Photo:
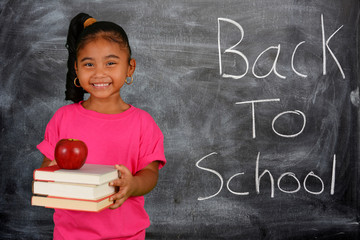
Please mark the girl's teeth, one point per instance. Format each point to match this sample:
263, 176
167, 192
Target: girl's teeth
101, 84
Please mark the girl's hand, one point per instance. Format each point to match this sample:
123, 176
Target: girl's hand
138, 185
47, 162
126, 186
53, 163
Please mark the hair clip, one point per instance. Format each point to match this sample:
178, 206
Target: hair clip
88, 22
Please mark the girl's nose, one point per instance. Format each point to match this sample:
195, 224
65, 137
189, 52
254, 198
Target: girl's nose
99, 71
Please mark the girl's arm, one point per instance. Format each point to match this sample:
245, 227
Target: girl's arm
47, 162
138, 185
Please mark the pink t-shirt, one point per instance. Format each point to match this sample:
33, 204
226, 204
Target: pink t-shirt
131, 138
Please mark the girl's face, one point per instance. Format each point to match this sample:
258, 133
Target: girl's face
102, 67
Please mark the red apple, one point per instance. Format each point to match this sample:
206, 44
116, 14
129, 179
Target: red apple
70, 153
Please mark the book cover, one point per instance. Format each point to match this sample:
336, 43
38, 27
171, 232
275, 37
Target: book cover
72, 190
89, 174
72, 203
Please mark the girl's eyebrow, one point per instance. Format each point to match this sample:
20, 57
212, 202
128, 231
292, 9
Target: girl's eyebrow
111, 56
107, 57
85, 59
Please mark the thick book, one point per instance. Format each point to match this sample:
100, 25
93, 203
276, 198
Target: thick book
71, 203
73, 190
88, 174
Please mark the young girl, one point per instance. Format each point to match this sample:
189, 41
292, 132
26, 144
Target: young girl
115, 132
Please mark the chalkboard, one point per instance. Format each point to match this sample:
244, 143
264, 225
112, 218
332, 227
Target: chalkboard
257, 99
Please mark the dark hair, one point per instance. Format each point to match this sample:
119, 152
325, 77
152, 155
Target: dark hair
77, 37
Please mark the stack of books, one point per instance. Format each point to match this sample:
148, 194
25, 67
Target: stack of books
84, 189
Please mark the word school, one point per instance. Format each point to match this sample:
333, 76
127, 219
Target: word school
266, 171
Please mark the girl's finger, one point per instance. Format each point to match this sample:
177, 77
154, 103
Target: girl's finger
116, 204
116, 182
117, 196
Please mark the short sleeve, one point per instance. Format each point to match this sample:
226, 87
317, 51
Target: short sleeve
151, 144
51, 137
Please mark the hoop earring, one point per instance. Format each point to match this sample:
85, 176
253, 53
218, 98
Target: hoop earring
128, 83
75, 82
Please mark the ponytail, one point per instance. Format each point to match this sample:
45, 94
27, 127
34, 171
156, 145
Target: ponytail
73, 93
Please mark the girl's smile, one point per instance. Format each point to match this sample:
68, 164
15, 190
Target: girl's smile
101, 85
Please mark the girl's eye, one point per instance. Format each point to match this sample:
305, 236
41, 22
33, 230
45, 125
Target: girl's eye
88, 65
111, 63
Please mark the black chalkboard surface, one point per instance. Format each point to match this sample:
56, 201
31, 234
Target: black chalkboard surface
257, 99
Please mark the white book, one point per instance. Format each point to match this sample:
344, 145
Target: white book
88, 174
72, 190
71, 203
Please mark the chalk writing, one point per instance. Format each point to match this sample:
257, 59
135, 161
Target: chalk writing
326, 44
298, 184
287, 112
258, 179
292, 61
253, 110
212, 171
232, 50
